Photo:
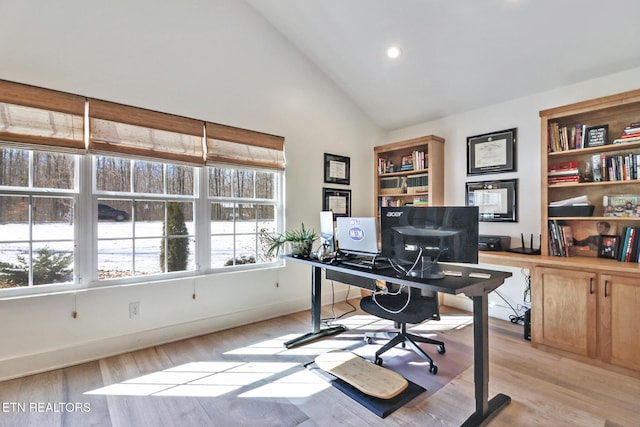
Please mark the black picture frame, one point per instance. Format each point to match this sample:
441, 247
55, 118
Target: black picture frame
596, 136
493, 152
497, 200
608, 246
337, 169
337, 201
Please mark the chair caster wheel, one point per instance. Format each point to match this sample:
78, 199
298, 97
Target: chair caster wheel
378, 361
433, 369
368, 340
441, 349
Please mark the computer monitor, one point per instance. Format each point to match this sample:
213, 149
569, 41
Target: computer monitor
416, 238
357, 235
327, 232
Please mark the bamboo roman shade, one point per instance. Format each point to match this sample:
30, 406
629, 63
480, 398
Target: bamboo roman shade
120, 129
241, 147
32, 115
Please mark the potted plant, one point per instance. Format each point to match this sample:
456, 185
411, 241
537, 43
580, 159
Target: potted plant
301, 242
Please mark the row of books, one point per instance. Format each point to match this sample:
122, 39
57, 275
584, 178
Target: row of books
603, 167
566, 137
386, 201
418, 183
623, 167
628, 249
417, 160
560, 239
391, 202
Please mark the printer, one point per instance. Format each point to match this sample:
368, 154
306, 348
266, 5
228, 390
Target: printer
494, 243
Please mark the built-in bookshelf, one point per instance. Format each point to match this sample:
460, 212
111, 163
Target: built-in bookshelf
409, 172
591, 151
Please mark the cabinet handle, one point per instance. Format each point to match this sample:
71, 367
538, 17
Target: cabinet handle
591, 286
606, 287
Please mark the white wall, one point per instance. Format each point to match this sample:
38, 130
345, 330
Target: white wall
224, 64
523, 114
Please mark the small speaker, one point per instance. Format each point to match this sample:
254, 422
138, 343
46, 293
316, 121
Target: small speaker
527, 324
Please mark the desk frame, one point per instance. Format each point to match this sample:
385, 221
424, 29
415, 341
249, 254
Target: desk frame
476, 288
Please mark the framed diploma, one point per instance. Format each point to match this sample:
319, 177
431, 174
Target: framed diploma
337, 201
496, 200
336, 169
491, 152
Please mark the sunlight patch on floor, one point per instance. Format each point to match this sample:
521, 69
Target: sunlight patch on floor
268, 380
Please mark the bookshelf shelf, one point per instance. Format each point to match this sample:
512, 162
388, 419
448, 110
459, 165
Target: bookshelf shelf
425, 181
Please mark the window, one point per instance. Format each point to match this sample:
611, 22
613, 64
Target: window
94, 190
38, 193
244, 204
145, 213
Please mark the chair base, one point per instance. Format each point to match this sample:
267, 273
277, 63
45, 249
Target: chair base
405, 338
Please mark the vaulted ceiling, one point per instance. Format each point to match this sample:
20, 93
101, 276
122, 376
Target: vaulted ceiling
457, 55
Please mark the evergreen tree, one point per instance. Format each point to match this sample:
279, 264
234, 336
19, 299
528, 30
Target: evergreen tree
48, 267
177, 247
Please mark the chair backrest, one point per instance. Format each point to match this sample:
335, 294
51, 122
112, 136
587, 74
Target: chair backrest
420, 307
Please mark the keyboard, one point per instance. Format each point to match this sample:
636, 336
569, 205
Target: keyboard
367, 263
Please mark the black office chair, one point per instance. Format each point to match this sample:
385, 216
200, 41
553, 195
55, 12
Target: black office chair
420, 308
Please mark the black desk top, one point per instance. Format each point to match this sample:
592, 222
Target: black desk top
456, 280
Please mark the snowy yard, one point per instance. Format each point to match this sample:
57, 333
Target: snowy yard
121, 244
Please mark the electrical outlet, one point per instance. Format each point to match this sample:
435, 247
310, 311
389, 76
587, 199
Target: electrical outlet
134, 310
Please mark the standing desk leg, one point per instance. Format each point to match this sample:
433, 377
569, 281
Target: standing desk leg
316, 307
485, 408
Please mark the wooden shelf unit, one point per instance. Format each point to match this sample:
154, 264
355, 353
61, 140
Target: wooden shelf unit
584, 306
615, 111
433, 148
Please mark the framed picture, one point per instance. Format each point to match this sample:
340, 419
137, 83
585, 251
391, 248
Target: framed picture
609, 246
336, 200
496, 200
336, 169
595, 136
407, 163
491, 152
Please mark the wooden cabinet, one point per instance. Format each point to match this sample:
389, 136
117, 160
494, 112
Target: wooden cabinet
409, 172
619, 320
589, 313
564, 310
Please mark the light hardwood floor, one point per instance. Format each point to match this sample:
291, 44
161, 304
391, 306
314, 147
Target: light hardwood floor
266, 385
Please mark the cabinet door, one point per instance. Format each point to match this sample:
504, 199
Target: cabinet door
619, 303
564, 310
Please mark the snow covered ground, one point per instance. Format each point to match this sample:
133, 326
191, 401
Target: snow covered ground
116, 242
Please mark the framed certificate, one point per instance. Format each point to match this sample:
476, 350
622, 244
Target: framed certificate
491, 152
336, 169
496, 200
337, 201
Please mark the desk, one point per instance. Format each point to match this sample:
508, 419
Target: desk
476, 288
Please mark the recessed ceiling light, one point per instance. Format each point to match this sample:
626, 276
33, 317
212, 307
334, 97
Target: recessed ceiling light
394, 52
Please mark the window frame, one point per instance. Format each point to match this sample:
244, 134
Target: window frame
197, 143
277, 202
